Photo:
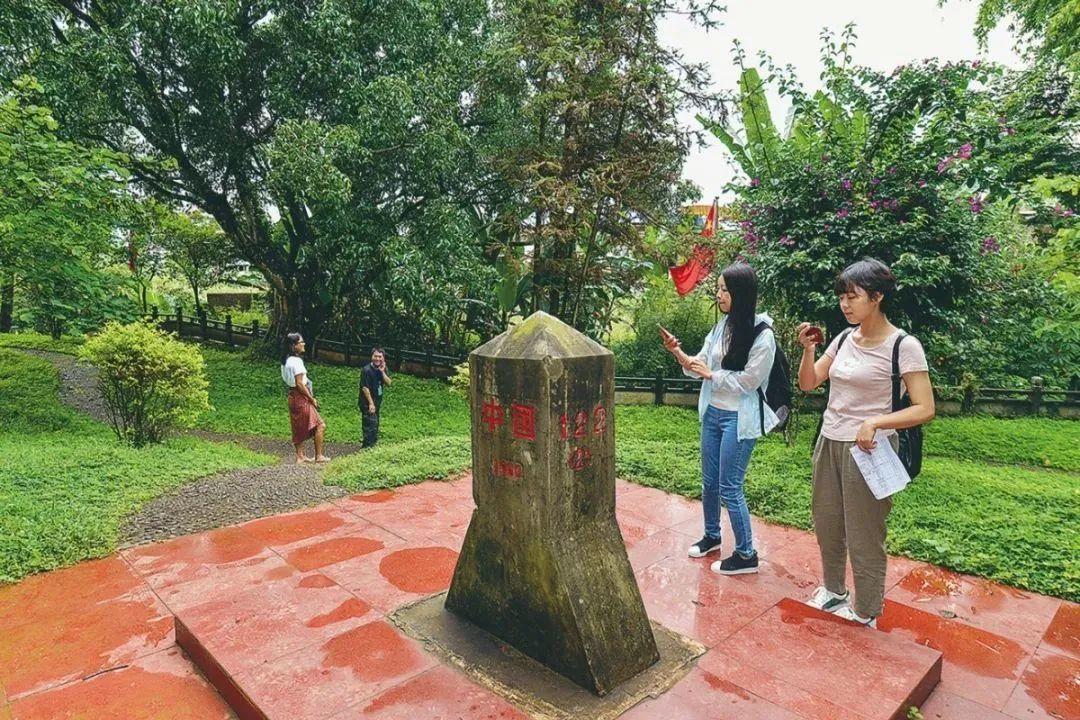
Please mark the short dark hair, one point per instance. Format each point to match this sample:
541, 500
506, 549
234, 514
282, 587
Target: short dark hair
378, 350
870, 274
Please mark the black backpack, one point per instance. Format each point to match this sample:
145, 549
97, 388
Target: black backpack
778, 396
911, 439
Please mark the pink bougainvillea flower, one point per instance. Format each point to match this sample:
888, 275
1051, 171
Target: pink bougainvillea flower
787, 241
892, 170
975, 204
842, 213
922, 183
845, 184
754, 182
965, 151
989, 245
944, 164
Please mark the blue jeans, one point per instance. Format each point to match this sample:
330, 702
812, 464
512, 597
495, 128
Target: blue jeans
723, 468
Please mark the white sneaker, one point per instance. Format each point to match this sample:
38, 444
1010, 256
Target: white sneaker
828, 601
848, 614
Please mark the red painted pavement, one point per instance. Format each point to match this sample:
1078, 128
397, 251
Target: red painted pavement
293, 608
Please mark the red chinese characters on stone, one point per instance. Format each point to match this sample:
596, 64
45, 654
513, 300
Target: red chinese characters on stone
492, 414
506, 469
581, 423
599, 420
523, 421
580, 459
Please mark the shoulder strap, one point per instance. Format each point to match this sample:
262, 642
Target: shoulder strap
843, 337
758, 329
896, 371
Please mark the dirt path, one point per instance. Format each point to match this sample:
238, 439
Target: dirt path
214, 501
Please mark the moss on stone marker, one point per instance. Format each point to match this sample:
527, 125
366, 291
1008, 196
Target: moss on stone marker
544, 566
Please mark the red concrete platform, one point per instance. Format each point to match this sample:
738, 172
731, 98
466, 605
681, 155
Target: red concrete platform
293, 609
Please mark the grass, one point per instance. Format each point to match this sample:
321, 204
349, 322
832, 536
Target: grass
66, 483
249, 397
68, 344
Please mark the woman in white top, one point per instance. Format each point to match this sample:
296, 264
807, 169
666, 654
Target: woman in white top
848, 519
735, 361
303, 407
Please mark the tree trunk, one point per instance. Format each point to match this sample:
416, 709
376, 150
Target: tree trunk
7, 302
295, 307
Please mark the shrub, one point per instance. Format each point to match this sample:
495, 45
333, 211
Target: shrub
150, 381
690, 319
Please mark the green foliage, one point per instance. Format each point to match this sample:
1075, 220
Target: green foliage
1034, 442
588, 142
66, 483
1051, 26
330, 141
196, 249
393, 464
67, 344
59, 206
922, 169
689, 319
29, 387
150, 382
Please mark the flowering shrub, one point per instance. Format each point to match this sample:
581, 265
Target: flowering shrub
903, 167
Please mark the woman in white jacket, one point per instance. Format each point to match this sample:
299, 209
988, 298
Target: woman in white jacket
734, 362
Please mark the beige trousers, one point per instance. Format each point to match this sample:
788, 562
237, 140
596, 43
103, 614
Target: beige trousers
849, 522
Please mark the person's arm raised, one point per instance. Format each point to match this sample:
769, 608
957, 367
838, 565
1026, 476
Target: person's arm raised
811, 373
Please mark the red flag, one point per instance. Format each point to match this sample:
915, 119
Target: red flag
710, 220
694, 270
700, 263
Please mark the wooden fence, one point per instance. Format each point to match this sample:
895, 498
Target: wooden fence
659, 389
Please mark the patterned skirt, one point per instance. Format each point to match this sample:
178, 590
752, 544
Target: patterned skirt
303, 417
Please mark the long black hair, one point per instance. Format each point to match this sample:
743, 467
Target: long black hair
741, 282
289, 346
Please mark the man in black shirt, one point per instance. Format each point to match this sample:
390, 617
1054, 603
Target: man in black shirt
372, 379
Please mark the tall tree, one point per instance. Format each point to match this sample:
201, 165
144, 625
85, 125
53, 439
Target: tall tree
1050, 27
303, 128
596, 150
196, 249
59, 205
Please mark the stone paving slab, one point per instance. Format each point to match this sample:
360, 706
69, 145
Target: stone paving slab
95, 640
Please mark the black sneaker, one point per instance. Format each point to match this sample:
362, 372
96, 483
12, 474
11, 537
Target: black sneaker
736, 565
704, 546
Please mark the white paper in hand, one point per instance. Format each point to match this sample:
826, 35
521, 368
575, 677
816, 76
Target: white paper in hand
881, 468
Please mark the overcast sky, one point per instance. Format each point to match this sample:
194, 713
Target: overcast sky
889, 34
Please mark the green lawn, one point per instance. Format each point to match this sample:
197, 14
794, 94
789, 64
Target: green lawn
997, 498
66, 483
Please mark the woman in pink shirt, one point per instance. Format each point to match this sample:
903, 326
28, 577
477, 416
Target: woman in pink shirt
848, 520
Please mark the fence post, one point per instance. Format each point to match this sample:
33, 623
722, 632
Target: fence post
428, 362
967, 406
228, 329
179, 321
1036, 395
254, 329
202, 326
154, 314
658, 387
348, 353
